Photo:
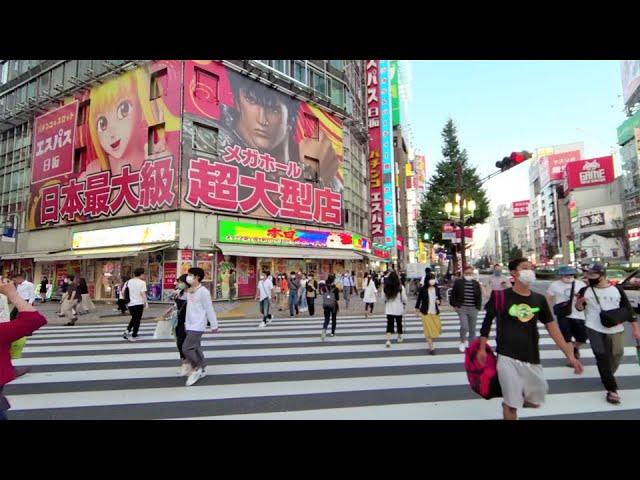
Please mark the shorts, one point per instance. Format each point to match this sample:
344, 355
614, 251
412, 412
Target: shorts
521, 381
573, 328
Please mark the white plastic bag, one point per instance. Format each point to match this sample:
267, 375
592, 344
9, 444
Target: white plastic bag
163, 330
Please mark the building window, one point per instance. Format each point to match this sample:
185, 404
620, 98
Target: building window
4, 72
337, 64
206, 86
311, 169
205, 139
83, 111
156, 139
158, 86
318, 82
80, 160
300, 72
280, 65
313, 127
337, 93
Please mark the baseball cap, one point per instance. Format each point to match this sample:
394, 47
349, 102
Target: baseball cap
566, 270
597, 268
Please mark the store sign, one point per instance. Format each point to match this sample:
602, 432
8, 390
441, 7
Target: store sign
261, 234
375, 150
589, 173
633, 234
135, 234
520, 209
186, 255
382, 253
552, 166
600, 218
388, 171
573, 211
170, 275
468, 235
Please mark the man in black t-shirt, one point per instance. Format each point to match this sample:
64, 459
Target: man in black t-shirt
519, 370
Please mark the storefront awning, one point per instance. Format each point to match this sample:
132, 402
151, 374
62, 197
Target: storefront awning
107, 252
18, 256
287, 252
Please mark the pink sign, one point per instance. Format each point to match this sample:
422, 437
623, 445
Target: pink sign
589, 173
53, 143
375, 150
552, 167
170, 275
520, 209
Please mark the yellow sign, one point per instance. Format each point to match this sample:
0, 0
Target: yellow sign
135, 234
543, 152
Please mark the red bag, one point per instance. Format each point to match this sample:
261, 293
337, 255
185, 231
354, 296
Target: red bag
483, 379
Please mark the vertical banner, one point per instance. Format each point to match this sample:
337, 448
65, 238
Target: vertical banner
170, 275
388, 173
375, 154
395, 91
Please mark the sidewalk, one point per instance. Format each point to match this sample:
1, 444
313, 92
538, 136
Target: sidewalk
240, 309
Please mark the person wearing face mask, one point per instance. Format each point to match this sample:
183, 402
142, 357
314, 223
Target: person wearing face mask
181, 305
263, 295
497, 281
561, 294
428, 305
370, 295
517, 314
607, 342
466, 298
293, 285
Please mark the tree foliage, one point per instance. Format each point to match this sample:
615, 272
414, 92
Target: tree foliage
515, 252
443, 186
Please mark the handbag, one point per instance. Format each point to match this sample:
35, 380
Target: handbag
613, 317
17, 347
163, 330
564, 309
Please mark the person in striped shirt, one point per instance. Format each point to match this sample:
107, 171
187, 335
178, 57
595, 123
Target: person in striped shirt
466, 298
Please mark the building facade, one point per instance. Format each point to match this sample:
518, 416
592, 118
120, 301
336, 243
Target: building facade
240, 166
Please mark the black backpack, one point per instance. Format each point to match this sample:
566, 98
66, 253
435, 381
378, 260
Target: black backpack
329, 298
126, 294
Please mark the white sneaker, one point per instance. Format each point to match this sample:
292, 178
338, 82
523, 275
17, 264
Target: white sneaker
125, 335
262, 325
186, 369
388, 344
132, 339
462, 347
195, 376
269, 320
324, 334
400, 339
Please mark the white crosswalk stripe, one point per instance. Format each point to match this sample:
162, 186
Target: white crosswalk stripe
284, 371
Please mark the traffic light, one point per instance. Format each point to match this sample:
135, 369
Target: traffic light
512, 160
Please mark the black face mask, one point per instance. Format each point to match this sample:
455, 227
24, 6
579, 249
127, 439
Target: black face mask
594, 281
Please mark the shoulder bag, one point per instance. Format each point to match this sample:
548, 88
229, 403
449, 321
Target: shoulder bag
564, 309
613, 317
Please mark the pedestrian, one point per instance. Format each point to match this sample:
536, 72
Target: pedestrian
43, 289
27, 321
180, 299
121, 304
606, 337
370, 295
199, 311
347, 287
66, 284
425, 278
403, 278
517, 312
86, 304
136, 298
25, 289
330, 297
395, 298
70, 303
466, 298
561, 294
302, 294
293, 285
311, 294
428, 305
233, 289
265, 288
497, 282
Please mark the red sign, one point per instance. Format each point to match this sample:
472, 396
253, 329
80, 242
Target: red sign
520, 209
552, 167
186, 255
170, 275
400, 243
448, 228
381, 253
589, 173
468, 234
53, 142
375, 151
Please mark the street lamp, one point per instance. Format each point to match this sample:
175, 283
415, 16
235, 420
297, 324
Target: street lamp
460, 211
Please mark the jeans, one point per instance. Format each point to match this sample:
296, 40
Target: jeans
293, 302
265, 309
347, 294
311, 302
3, 415
303, 302
608, 350
398, 321
136, 318
468, 319
330, 313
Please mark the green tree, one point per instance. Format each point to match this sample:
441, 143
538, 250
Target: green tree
515, 252
443, 187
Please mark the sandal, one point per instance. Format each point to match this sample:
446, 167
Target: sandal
613, 398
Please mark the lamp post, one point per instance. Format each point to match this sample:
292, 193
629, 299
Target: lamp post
461, 210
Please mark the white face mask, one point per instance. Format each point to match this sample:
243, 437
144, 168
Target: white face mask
262, 277
468, 277
190, 279
527, 276
432, 282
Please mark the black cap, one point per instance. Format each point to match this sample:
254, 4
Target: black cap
597, 268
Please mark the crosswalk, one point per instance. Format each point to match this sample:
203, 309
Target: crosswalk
284, 371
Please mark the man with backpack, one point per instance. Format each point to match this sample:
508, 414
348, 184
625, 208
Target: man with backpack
517, 311
606, 309
330, 296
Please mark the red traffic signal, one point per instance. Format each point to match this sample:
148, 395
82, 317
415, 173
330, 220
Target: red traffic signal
514, 159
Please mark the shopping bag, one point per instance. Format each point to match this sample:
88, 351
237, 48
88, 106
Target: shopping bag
17, 347
163, 330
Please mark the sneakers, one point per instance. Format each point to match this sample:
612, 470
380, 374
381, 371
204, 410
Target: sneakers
132, 339
462, 347
125, 335
333, 335
186, 369
388, 344
195, 376
323, 335
400, 339
262, 325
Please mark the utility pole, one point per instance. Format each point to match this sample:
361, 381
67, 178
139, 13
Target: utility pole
462, 243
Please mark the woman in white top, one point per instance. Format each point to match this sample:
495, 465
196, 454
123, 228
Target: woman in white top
370, 295
395, 298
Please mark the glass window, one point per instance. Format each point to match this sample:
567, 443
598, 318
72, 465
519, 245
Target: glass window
318, 82
299, 72
206, 139
337, 93
83, 67
336, 64
45, 82
70, 70
4, 72
22, 94
31, 89
56, 78
158, 84
280, 65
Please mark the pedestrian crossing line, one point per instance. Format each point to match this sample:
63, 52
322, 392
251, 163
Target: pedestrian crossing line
476, 409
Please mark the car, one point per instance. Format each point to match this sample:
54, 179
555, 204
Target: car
631, 286
616, 276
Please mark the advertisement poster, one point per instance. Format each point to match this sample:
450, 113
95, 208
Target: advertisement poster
186, 255
154, 293
246, 276
252, 150
552, 166
170, 275
520, 209
608, 217
223, 268
589, 173
204, 261
117, 158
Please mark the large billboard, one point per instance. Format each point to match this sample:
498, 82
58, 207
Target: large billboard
109, 151
375, 151
589, 173
520, 208
552, 166
608, 217
252, 150
630, 70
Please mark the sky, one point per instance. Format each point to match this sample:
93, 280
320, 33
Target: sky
503, 106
